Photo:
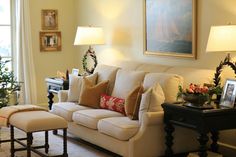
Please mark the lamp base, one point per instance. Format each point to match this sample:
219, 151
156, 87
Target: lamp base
227, 61
90, 53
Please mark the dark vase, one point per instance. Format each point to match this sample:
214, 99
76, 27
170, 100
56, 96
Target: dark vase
195, 99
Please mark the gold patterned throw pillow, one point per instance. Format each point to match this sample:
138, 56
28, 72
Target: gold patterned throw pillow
90, 94
132, 103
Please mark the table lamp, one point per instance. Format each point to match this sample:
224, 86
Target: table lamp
89, 36
222, 39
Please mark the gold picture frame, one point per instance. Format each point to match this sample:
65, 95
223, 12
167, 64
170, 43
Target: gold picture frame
50, 41
49, 19
170, 31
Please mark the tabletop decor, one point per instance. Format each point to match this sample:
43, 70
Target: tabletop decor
229, 94
195, 94
8, 83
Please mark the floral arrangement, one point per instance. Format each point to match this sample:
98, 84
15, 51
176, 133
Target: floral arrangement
8, 83
204, 92
193, 89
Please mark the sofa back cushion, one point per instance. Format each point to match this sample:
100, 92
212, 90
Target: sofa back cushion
193, 75
126, 81
168, 82
75, 83
106, 72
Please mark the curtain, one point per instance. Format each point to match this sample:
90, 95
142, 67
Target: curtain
23, 64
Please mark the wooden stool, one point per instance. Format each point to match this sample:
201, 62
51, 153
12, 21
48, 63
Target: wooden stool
36, 121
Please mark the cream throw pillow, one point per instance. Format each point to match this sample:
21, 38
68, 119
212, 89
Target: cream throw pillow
75, 83
151, 100
90, 94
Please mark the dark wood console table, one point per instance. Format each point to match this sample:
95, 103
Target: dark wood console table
203, 121
53, 87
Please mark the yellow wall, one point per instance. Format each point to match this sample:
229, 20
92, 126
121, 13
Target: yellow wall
47, 63
123, 23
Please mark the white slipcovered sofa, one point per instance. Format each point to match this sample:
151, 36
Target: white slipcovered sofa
132, 138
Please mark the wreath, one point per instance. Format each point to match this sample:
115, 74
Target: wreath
91, 54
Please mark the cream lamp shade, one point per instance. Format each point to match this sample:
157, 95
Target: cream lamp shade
89, 36
222, 39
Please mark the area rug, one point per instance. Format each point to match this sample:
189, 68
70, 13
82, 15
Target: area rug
76, 147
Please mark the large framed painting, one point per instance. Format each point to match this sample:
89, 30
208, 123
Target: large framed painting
170, 28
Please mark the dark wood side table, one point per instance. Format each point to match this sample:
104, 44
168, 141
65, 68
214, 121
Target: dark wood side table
202, 121
53, 87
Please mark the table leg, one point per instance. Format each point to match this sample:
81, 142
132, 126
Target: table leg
65, 154
46, 142
50, 100
214, 137
169, 129
12, 141
203, 139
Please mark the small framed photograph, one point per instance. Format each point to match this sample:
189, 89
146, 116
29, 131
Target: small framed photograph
49, 19
50, 41
229, 94
75, 72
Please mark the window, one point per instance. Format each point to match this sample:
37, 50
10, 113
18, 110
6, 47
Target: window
5, 30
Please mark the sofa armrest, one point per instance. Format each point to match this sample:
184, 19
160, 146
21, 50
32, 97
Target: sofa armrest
152, 118
63, 95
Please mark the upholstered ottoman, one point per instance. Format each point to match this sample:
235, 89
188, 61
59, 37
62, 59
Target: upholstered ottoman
35, 121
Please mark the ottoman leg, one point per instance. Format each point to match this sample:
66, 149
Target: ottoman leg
54, 132
46, 142
29, 142
65, 143
12, 141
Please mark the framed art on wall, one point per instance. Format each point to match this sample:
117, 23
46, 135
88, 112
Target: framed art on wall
170, 28
50, 41
229, 94
49, 19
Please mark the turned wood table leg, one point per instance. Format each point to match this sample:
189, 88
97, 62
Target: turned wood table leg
203, 139
65, 154
12, 141
214, 138
50, 100
169, 129
46, 142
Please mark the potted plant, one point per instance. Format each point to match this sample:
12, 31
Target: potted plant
8, 83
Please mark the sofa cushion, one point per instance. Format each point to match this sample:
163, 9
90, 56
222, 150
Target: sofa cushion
112, 103
91, 94
151, 100
66, 109
106, 72
126, 81
90, 118
121, 128
75, 83
168, 82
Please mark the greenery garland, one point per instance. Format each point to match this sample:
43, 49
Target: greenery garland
91, 54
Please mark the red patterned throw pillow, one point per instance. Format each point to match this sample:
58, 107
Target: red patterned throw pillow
112, 103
